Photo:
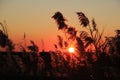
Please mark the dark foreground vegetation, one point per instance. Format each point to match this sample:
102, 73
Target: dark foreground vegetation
94, 57
20, 65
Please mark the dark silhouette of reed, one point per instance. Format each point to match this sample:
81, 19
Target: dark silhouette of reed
101, 64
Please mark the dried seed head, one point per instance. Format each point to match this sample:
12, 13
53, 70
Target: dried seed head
82, 19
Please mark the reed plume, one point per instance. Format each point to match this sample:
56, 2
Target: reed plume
82, 19
60, 20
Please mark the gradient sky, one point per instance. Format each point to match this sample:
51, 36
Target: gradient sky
33, 17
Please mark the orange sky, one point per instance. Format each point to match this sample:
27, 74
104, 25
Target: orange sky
33, 17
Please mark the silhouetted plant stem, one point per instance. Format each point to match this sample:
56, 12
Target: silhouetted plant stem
91, 32
24, 40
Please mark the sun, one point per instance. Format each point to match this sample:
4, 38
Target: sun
71, 50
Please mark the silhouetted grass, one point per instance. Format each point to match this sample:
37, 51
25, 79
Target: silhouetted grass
101, 64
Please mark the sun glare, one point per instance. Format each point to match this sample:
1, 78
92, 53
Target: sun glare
71, 50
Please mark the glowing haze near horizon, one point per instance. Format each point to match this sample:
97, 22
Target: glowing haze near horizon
33, 17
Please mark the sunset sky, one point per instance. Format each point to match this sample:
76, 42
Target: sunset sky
33, 17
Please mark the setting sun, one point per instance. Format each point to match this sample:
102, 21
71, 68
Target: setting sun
71, 50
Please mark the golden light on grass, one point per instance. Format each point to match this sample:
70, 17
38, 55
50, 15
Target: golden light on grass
71, 50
